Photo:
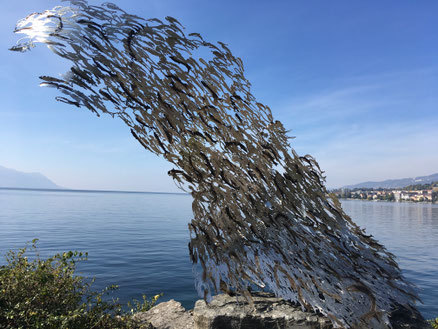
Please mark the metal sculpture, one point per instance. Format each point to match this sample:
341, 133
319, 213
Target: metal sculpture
262, 216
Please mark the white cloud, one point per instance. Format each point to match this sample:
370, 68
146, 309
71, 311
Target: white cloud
373, 128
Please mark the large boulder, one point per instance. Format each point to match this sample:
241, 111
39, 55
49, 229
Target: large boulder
268, 312
167, 315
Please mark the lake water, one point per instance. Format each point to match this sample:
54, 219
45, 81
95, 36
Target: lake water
139, 240
410, 232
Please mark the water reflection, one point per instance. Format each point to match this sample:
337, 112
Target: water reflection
410, 231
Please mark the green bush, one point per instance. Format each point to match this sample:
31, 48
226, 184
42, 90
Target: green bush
46, 293
434, 323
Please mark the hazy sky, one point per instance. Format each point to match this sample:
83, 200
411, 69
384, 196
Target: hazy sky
355, 81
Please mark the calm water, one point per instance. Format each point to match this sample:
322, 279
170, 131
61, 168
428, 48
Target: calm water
410, 231
139, 240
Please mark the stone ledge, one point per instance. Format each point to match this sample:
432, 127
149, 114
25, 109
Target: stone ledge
167, 315
268, 312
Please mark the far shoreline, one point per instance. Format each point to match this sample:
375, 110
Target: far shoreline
388, 201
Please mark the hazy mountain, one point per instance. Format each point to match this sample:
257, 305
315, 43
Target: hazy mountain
14, 178
396, 183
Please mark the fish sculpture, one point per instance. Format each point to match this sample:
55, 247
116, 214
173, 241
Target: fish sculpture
262, 217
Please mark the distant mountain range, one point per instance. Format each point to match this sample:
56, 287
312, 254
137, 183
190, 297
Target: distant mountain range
18, 179
396, 183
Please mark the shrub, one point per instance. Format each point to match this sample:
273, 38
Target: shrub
434, 323
45, 293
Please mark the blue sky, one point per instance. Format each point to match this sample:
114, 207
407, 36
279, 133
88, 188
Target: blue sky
355, 81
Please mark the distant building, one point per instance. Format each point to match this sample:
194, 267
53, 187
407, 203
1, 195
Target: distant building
390, 195
427, 195
421, 195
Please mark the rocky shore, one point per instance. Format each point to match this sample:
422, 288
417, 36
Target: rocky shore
268, 312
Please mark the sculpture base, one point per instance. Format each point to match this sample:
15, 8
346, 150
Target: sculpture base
269, 312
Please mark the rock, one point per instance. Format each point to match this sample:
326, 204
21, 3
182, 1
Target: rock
167, 315
268, 313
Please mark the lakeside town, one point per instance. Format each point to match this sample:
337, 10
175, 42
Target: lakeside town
413, 193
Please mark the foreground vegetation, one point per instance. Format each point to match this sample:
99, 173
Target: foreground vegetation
46, 293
